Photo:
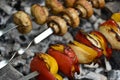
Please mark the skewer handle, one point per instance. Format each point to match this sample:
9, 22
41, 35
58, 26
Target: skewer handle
37, 39
43, 35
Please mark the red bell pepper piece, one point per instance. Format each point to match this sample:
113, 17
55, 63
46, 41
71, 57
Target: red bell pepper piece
39, 65
64, 63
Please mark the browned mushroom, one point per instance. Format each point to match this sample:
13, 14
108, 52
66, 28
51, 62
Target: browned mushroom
40, 13
69, 3
98, 3
58, 24
71, 16
23, 21
54, 5
84, 7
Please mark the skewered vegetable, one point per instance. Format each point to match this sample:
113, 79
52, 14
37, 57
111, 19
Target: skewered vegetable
39, 65
98, 3
64, 63
116, 18
46, 66
95, 3
50, 62
106, 48
90, 46
54, 5
23, 21
96, 40
84, 7
69, 3
85, 38
40, 13
110, 29
71, 17
57, 24
84, 53
68, 57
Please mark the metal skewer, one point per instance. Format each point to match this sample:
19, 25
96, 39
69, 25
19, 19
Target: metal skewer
21, 51
37, 40
8, 28
29, 76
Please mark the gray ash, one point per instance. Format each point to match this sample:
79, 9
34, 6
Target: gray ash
13, 40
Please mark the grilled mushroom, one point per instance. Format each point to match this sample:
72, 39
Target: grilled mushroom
71, 17
98, 3
69, 3
54, 5
23, 21
84, 7
58, 24
40, 13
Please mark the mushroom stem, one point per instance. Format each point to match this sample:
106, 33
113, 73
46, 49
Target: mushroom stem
66, 18
81, 11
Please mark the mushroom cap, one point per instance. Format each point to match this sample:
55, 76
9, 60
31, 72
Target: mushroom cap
54, 5
23, 21
84, 7
58, 24
69, 3
74, 20
40, 13
98, 3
